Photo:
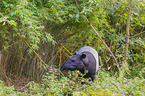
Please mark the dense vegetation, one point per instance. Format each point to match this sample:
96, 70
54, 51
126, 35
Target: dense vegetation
105, 85
36, 34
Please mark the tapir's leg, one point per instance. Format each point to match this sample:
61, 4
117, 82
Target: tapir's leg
93, 77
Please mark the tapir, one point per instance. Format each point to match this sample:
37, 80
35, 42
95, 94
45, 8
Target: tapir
85, 59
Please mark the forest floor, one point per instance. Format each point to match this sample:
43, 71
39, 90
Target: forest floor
18, 83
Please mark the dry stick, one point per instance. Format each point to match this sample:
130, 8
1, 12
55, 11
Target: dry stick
37, 54
100, 38
104, 43
66, 49
34, 52
59, 64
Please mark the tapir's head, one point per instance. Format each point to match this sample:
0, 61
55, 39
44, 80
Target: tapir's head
77, 62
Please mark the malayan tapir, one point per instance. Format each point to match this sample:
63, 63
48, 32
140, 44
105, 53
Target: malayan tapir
86, 58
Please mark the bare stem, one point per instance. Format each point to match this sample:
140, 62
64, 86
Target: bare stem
100, 38
127, 32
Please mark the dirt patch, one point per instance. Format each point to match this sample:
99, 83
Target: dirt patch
17, 82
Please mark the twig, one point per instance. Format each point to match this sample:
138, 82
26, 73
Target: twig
59, 63
66, 49
115, 85
104, 43
34, 52
100, 38
120, 3
137, 34
37, 54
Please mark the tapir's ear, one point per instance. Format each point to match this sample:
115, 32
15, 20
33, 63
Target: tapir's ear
83, 56
84, 59
76, 52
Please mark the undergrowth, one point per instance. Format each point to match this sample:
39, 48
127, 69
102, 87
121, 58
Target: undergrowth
70, 85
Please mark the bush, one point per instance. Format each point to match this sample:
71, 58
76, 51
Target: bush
106, 84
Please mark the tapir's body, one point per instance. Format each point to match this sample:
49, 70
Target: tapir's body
86, 59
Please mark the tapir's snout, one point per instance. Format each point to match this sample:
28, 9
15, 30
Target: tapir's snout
68, 66
65, 66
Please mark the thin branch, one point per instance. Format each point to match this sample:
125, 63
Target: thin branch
37, 54
100, 38
104, 43
66, 49
34, 51
137, 34
120, 3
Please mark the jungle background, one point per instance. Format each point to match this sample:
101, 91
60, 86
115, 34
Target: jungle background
38, 36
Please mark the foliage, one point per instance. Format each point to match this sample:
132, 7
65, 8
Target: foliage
4, 91
34, 20
19, 19
106, 84
45, 23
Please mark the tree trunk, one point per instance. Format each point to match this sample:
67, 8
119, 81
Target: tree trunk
127, 32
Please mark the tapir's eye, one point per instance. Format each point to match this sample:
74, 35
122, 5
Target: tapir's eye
73, 60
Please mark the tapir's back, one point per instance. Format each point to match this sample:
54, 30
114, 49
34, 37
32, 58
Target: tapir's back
93, 51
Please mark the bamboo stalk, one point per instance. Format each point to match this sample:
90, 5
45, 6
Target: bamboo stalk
127, 32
